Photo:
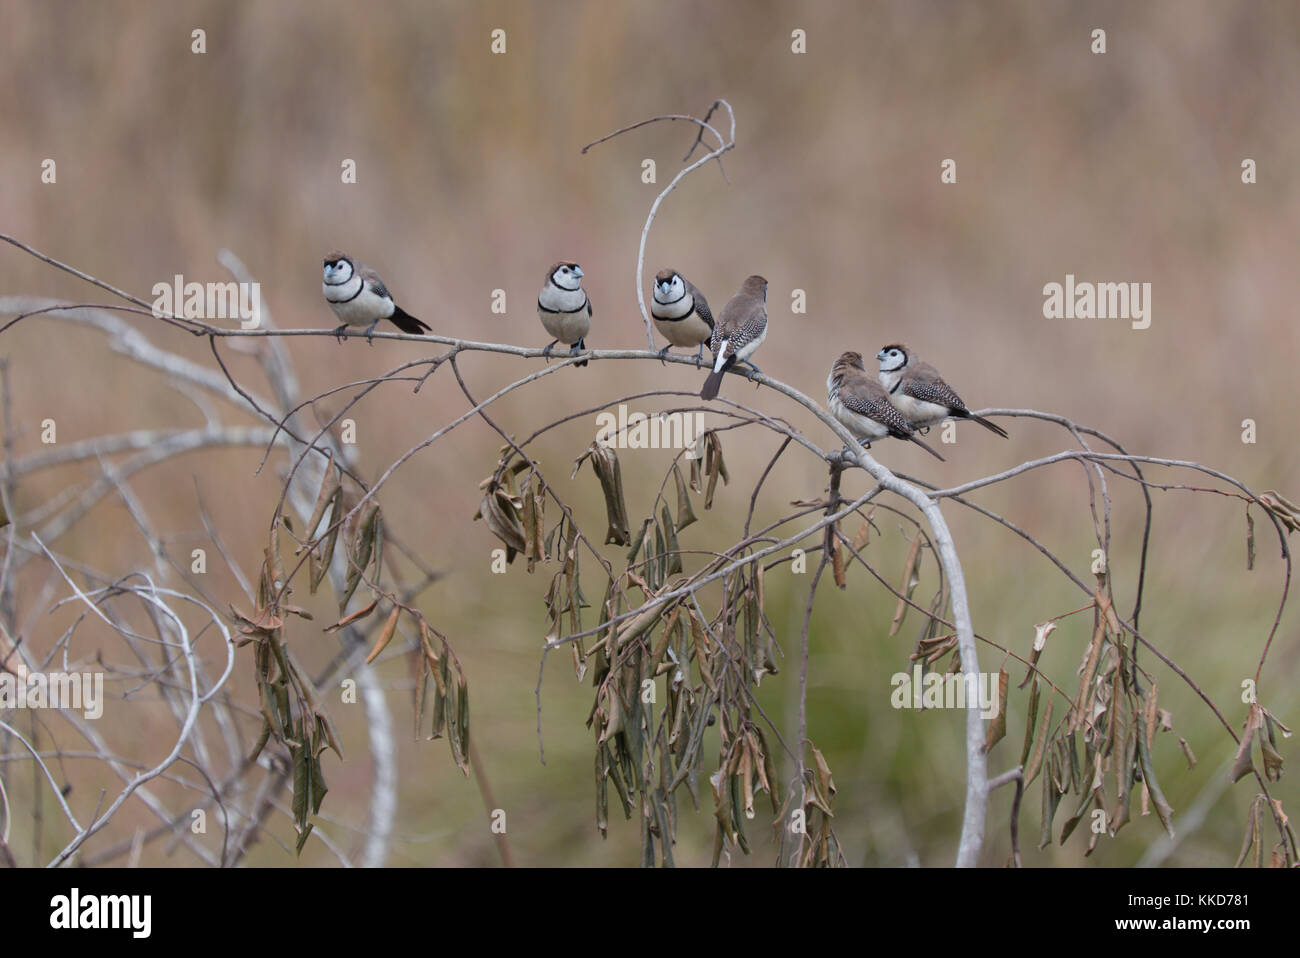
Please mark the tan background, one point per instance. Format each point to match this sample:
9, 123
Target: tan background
1119, 167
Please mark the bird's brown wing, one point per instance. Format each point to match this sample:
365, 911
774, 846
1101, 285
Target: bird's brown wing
925, 384
702, 307
857, 395
740, 325
374, 282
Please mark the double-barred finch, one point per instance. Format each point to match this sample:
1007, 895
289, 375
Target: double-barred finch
359, 298
564, 308
739, 331
918, 391
863, 406
680, 313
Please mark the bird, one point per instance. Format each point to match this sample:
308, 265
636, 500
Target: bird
862, 405
739, 331
680, 313
359, 297
564, 308
918, 391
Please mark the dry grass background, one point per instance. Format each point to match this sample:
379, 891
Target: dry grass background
1120, 167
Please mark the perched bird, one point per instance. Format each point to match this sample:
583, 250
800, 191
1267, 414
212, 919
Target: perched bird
863, 406
918, 391
739, 331
359, 297
564, 308
680, 313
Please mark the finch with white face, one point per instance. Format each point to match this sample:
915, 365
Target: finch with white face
564, 309
863, 406
918, 391
740, 330
680, 313
359, 298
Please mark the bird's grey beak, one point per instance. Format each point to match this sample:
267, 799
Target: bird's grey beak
577, 271
880, 355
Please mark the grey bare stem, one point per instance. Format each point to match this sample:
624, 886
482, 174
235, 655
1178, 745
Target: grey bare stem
723, 147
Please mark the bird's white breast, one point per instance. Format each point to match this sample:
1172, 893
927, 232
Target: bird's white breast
674, 310
561, 300
356, 309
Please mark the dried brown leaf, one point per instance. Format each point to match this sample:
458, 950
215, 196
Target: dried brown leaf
385, 634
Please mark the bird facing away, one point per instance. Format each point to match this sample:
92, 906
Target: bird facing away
564, 308
359, 298
739, 331
680, 313
918, 391
863, 406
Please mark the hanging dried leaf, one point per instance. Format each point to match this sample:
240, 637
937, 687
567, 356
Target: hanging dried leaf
861, 540
1030, 719
1271, 757
360, 553
998, 725
1163, 811
319, 559
1088, 669
1052, 793
385, 634
1252, 844
1287, 512
672, 552
354, 616
1040, 747
714, 467
837, 557
531, 529
909, 583
700, 640
685, 512
640, 537
301, 794
505, 519
604, 460
1041, 632
331, 482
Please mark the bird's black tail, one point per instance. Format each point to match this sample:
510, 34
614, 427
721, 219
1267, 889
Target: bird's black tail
408, 323
578, 347
991, 426
714, 381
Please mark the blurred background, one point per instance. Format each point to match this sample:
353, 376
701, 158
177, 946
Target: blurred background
1119, 167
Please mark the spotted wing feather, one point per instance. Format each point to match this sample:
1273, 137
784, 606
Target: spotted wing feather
926, 385
874, 407
702, 307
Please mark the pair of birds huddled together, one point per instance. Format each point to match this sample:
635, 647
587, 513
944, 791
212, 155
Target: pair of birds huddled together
907, 394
